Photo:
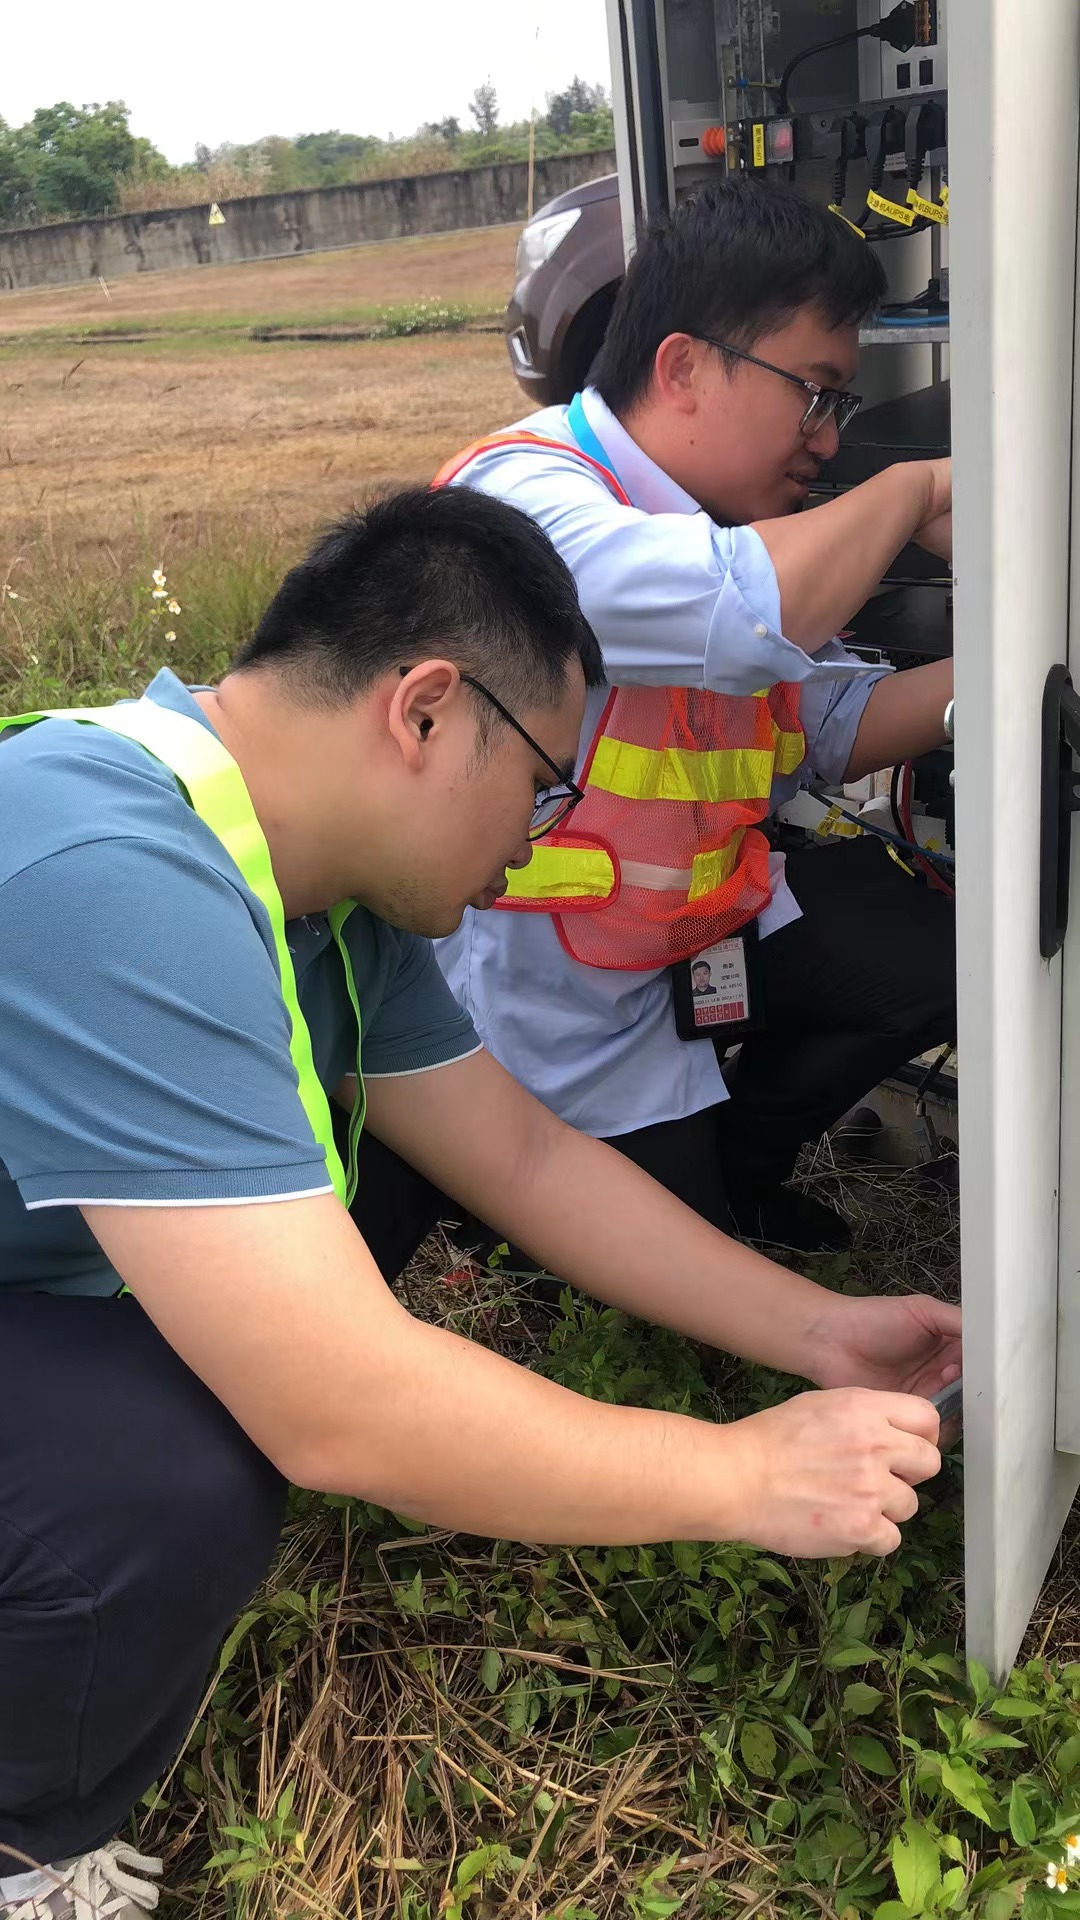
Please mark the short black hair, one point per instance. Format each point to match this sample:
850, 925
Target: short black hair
737, 260
444, 572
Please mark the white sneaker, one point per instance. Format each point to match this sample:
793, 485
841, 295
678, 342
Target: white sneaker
104, 1885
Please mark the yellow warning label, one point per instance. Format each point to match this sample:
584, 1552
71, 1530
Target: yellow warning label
833, 208
927, 210
944, 193
217, 218
890, 210
758, 138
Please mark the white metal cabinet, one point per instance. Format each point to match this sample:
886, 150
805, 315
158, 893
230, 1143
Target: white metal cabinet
1013, 255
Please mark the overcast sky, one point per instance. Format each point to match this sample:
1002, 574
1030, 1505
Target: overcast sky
215, 71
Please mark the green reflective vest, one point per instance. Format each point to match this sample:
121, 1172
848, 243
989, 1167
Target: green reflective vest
213, 786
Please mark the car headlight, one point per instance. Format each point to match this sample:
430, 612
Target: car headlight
541, 237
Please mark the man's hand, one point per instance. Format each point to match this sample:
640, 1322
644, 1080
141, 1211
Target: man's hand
835, 1473
905, 1345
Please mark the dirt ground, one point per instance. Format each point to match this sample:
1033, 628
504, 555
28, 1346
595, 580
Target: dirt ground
103, 445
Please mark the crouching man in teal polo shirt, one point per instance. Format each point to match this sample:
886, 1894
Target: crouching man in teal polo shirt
213, 916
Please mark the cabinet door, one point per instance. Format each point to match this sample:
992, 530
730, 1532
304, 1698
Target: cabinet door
1013, 226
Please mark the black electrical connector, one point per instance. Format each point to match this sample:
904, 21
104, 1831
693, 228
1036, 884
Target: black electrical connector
852, 145
897, 30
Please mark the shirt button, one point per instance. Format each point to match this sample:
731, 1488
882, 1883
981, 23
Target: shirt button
761, 630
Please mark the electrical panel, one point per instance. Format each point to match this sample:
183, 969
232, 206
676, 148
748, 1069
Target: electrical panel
843, 97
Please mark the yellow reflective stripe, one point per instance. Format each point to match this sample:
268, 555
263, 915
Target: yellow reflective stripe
789, 751
679, 773
214, 787
563, 873
710, 870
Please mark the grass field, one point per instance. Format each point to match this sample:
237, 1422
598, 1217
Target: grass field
114, 448
408, 1724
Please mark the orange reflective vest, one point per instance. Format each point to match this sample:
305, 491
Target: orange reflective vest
662, 858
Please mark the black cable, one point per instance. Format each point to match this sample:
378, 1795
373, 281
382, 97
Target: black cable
894, 796
934, 1071
807, 53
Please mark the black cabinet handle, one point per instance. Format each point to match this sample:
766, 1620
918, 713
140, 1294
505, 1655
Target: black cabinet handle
1060, 800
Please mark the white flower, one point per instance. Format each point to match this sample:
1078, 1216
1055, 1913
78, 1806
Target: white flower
158, 576
1057, 1878
170, 636
1072, 1849
160, 593
9, 593
174, 606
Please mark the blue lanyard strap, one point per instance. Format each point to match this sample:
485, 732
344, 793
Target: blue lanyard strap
587, 440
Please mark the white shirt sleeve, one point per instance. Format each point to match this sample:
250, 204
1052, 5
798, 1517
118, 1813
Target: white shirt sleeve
674, 599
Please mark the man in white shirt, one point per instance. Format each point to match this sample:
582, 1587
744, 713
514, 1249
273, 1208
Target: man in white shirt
719, 392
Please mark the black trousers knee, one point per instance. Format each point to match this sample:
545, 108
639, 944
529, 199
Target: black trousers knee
136, 1518
860, 985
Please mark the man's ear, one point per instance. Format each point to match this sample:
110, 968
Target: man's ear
674, 370
419, 702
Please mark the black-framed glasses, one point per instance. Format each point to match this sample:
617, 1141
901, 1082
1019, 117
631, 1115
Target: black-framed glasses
553, 804
826, 403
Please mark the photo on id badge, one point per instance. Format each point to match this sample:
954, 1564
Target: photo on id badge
715, 992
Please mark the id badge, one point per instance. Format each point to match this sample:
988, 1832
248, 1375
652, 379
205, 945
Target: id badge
718, 992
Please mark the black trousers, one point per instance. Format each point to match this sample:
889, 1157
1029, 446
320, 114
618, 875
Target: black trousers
863, 982
136, 1518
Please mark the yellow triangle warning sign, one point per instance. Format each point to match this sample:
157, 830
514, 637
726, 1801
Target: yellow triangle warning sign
217, 218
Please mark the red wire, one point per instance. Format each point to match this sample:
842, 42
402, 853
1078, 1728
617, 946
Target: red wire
925, 867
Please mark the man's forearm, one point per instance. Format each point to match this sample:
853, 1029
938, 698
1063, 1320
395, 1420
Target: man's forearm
597, 1220
829, 560
490, 1448
621, 1236
904, 716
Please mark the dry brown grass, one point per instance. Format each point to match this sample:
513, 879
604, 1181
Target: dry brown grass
135, 446
112, 449
477, 266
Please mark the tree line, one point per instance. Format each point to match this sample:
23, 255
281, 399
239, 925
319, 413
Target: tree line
71, 162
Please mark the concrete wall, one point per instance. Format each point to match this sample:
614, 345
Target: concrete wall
272, 224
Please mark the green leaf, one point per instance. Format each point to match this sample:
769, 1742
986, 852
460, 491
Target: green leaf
963, 1783
1067, 1757
869, 1754
915, 1864
786, 1681
491, 1669
1022, 1824
608, 1746
780, 1815
757, 1744
240, 1632
1001, 1904
1018, 1709
979, 1679
687, 1557
855, 1655
892, 1910
860, 1698
953, 1885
